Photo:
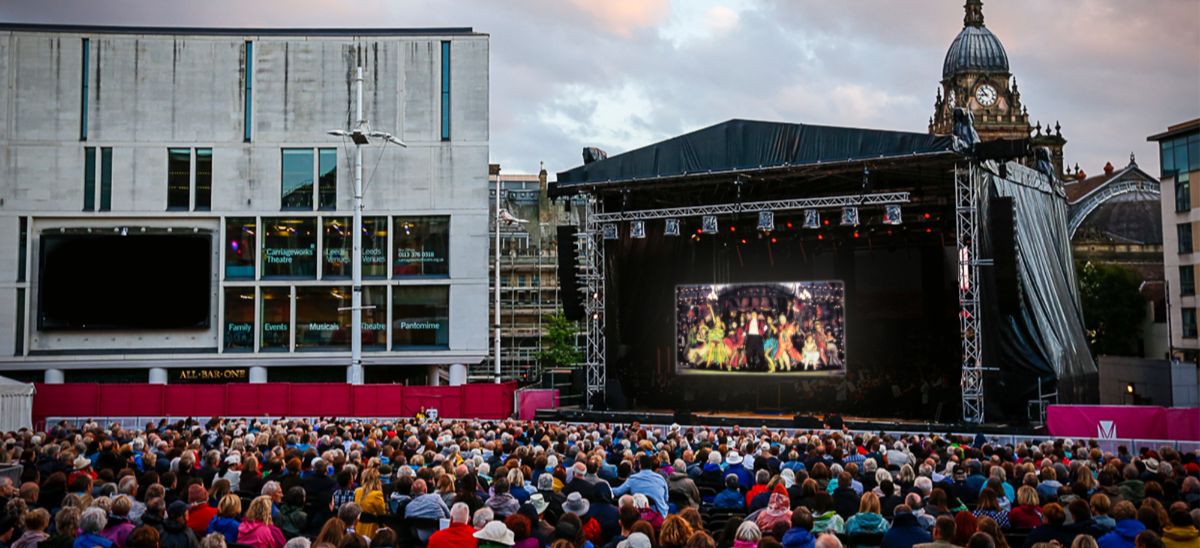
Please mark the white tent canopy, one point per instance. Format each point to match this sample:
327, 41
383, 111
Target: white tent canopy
16, 405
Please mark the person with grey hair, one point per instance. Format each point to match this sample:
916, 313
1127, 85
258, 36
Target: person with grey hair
459, 533
128, 486
213, 540
298, 542
482, 517
275, 491
91, 523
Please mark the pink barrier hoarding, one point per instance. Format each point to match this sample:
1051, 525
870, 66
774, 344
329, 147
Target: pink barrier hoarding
1123, 422
484, 401
532, 400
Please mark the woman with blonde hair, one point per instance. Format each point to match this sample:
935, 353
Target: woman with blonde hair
226, 522
869, 519
370, 497
1026, 514
256, 529
675, 532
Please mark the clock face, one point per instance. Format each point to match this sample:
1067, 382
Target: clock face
986, 95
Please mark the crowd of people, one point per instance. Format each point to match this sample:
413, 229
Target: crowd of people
378, 484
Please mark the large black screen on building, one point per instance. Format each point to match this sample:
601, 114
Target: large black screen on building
143, 281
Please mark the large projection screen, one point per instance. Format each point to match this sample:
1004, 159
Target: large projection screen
134, 282
776, 328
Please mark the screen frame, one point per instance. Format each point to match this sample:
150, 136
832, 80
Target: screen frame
681, 370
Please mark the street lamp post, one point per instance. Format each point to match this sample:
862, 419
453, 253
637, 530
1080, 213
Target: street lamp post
361, 135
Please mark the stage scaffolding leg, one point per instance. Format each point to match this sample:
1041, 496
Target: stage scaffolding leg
590, 251
966, 213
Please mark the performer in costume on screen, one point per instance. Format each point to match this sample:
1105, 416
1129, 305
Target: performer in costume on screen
812, 356
699, 344
753, 347
785, 354
771, 344
733, 346
716, 355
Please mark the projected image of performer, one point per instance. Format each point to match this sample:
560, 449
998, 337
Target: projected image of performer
785, 355
734, 341
753, 347
716, 355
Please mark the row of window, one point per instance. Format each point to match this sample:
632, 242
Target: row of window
248, 89
320, 247
1180, 154
299, 318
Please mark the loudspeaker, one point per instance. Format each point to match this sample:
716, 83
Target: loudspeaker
568, 289
1004, 254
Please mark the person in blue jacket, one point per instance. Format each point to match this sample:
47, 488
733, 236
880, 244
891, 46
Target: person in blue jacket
731, 498
800, 534
906, 530
1126, 530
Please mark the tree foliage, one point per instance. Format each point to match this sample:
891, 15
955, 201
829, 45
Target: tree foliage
1113, 308
558, 344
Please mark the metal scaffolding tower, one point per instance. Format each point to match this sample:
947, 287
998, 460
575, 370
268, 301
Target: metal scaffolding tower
966, 216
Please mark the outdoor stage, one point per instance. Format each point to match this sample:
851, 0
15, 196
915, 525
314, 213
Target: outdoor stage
957, 298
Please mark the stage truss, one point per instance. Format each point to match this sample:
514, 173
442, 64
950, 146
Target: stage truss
966, 217
589, 247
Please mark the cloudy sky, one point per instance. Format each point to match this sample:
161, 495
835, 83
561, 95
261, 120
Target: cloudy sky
619, 74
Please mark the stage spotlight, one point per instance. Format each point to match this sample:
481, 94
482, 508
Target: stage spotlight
609, 231
773, 240
789, 224
891, 215
733, 229
820, 236
812, 218
850, 216
1129, 388
743, 241
671, 227
637, 230
766, 221
855, 233
708, 224
927, 215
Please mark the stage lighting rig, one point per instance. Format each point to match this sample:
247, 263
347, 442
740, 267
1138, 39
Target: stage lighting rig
671, 227
766, 221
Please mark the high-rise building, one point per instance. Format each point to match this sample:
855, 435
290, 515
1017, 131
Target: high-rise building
1179, 162
173, 207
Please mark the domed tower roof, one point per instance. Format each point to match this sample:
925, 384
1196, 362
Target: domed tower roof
975, 49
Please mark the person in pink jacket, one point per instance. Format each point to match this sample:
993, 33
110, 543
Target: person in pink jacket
256, 529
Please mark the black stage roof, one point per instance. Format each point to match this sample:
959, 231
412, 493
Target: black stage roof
738, 146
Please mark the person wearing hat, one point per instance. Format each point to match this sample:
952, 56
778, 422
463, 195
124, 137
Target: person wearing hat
494, 534
553, 499
81, 466
459, 533
736, 466
580, 507
175, 533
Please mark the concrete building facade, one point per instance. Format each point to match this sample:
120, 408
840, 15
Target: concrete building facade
223, 135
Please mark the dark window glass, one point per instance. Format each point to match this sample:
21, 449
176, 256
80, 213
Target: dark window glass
1187, 280
1166, 154
1184, 231
297, 184
420, 317
203, 179
446, 91
240, 248
85, 60
239, 319
374, 247
422, 246
19, 336
1189, 323
89, 178
105, 179
319, 323
1181, 155
22, 246
1193, 147
336, 247
276, 318
327, 172
374, 320
289, 248
179, 172
248, 90
1183, 192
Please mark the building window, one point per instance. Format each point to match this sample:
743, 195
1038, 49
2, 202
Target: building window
1183, 193
446, 91
1184, 232
239, 319
374, 317
179, 178
298, 173
289, 248
276, 320
374, 247
240, 248
336, 247
89, 178
106, 179
85, 55
1189, 322
327, 178
322, 318
1187, 279
248, 91
19, 336
203, 199
22, 246
1180, 154
420, 317
422, 246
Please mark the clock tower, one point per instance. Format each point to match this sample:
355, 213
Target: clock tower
975, 76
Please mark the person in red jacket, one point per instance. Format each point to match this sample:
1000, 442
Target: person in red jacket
200, 512
1026, 514
459, 533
